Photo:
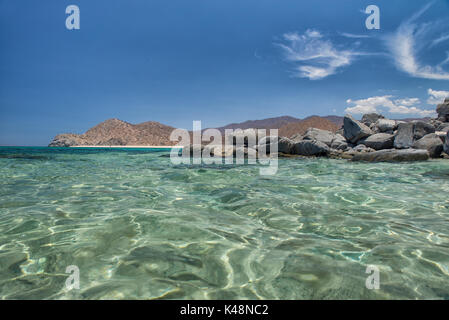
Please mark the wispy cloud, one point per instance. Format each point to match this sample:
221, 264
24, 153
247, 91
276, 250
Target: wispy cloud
316, 57
440, 40
436, 97
354, 36
389, 104
408, 41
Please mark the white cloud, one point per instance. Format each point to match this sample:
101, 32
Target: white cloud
386, 103
316, 56
408, 41
436, 97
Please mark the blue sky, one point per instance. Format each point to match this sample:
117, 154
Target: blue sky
218, 61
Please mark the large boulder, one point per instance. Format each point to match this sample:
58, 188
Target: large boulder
443, 111
284, 145
319, 135
385, 125
310, 148
421, 128
370, 118
339, 143
392, 155
379, 141
430, 142
409, 132
404, 136
354, 130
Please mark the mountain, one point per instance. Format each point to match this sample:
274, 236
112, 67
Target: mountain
300, 127
115, 132
269, 123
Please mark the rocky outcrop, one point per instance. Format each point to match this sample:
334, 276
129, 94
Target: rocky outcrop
355, 130
68, 140
392, 155
114, 132
430, 142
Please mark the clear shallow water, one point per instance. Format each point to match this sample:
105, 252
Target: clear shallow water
140, 228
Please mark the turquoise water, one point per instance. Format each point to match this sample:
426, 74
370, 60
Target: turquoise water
139, 227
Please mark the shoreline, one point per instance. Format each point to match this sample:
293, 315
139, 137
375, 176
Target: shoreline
134, 147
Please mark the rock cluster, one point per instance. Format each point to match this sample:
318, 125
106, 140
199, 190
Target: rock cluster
374, 138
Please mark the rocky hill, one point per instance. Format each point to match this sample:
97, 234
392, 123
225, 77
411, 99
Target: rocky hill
115, 132
300, 127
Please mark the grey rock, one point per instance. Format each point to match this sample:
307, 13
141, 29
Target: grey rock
385, 125
296, 137
392, 155
430, 142
355, 130
370, 118
319, 135
310, 148
443, 111
404, 136
379, 141
421, 128
362, 148
443, 127
339, 143
284, 144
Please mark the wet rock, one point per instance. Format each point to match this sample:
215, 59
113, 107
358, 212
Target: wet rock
430, 142
310, 148
355, 130
379, 141
392, 155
